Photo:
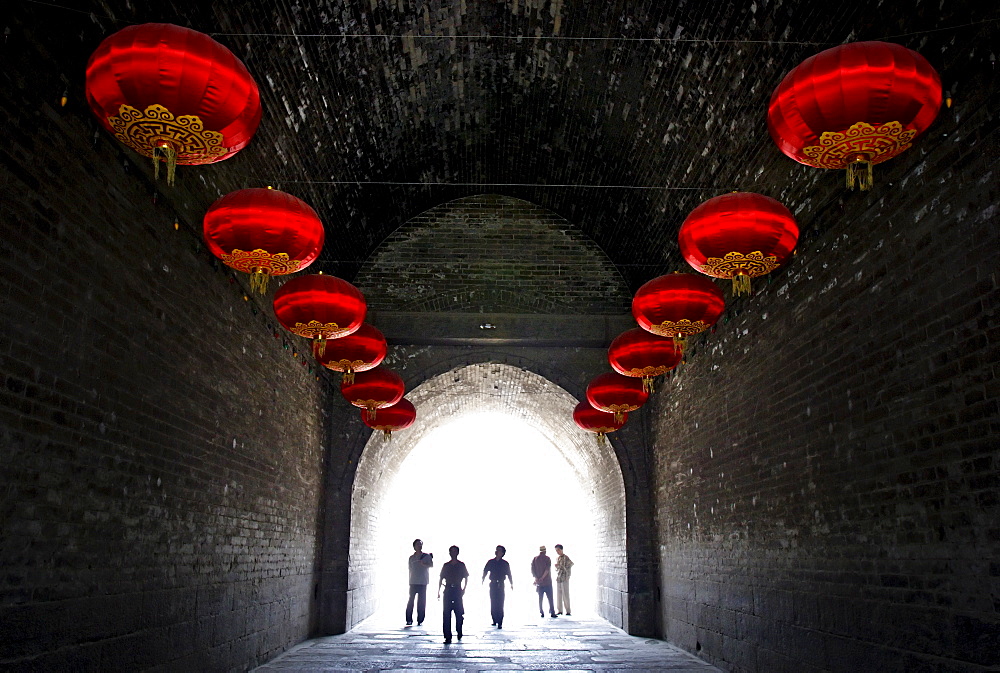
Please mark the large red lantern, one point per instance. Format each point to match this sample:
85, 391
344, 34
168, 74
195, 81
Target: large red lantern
374, 389
598, 422
390, 419
319, 307
263, 232
644, 355
853, 106
358, 352
172, 94
739, 236
678, 305
616, 394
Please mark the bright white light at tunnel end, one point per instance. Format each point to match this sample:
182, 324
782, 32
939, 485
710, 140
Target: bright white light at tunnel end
481, 480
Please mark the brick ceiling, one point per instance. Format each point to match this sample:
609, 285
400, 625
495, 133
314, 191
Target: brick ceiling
618, 116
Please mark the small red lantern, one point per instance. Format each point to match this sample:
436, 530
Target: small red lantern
598, 422
319, 307
389, 419
739, 236
374, 389
173, 94
263, 232
853, 106
678, 305
641, 354
358, 352
616, 394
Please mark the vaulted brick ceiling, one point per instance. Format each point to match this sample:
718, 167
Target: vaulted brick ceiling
618, 116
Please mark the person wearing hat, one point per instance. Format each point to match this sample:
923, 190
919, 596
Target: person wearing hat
541, 570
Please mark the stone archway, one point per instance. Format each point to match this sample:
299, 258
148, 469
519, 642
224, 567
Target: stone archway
522, 394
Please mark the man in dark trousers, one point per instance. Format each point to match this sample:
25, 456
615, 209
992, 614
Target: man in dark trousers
454, 579
541, 570
419, 562
499, 570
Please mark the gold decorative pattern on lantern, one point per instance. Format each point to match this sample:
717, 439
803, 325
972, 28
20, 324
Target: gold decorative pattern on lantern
671, 328
619, 410
318, 330
371, 407
752, 264
348, 367
156, 127
276, 264
647, 372
261, 264
875, 142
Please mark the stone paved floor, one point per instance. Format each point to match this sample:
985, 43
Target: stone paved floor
561, 644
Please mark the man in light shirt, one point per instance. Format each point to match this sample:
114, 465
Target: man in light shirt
563, 566
419, 578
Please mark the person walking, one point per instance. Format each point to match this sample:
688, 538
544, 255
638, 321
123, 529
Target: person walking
541, 570
419, 563
499, 570
454, 579
563, 566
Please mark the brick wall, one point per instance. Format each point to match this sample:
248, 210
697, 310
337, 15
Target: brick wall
495, 253
162, 450
827, 462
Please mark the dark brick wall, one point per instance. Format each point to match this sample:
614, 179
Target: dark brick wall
827, 462
492, 253
162, 451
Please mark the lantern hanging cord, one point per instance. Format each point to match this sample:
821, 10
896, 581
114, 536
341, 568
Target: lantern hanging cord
533, 38
594, 38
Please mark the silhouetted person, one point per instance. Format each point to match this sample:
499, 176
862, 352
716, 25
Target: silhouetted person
454, 578
563, 565
419, 562
499, 570
541, 567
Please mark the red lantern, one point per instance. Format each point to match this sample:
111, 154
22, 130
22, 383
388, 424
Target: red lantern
358, 352
319, 307
374, 389
640, 354
739, 236
598, 422
173, 94
853, 106
263, 232
389, 419
678, 305
616, 394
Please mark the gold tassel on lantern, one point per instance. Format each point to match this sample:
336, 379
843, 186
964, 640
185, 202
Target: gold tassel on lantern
647, 384
319, 347
680, 343
169, 155
860, 171
602, 439
387, 435
348, 377
741, 283
258, 280
372, 410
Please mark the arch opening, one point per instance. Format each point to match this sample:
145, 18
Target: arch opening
483, 479
481, 407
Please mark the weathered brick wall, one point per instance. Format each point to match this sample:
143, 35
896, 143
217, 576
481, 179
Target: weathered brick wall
495, 253
162, 451
827, 462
